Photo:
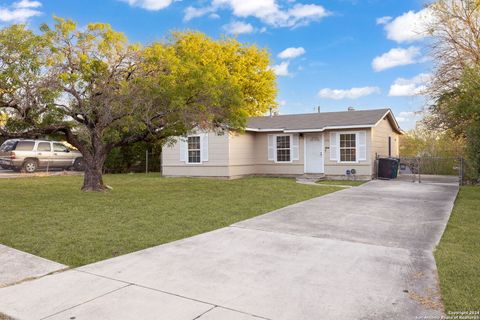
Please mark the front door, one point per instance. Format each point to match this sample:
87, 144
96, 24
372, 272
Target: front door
314, 153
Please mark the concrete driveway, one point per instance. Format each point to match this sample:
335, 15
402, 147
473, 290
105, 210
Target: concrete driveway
361, 253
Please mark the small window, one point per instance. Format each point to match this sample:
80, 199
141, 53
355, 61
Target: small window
25, 146
44, 146
194, 149
348, 147
283, 149
58, 147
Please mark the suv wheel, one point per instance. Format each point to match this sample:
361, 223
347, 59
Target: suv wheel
78, 164
30, 166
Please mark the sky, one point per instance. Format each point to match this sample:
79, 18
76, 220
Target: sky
331, 54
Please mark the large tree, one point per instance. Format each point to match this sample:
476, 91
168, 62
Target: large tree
455, 85
100, 92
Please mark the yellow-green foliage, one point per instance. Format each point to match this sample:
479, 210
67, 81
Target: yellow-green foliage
423, 142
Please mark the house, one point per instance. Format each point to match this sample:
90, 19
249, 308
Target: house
330, 144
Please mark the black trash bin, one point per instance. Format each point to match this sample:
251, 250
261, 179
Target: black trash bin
387, 168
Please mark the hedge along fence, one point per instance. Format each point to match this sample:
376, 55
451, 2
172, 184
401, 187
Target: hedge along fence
140, 157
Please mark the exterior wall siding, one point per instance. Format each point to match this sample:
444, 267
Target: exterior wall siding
380, 136
216, 166
242, 153
337, 169
235, 154
268, 167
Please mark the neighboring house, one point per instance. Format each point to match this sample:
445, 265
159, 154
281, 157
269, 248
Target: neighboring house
327, 143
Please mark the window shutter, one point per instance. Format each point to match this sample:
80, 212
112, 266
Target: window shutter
204, 146
271, 147
333, 146
362, 145
182, 142
295, 155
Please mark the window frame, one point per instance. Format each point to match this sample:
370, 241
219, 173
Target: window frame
290, 137
199, 149
339, 148
66, 150
43, 142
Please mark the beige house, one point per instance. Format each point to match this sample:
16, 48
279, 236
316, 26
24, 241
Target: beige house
330, 144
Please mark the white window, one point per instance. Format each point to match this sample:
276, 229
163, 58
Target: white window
348, 147
283, 149
194, 149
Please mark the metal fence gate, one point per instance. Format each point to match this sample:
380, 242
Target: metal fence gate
427, 167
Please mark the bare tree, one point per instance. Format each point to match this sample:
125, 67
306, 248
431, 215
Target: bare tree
455, 28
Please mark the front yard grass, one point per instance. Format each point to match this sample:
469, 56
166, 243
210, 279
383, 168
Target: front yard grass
50, 217
458, 255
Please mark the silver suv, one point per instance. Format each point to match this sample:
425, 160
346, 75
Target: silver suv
31, 155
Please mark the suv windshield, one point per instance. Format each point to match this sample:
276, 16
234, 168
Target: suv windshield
8, 145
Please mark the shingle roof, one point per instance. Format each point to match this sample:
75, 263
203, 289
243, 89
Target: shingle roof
319, 121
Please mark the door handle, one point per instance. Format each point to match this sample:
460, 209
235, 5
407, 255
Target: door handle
39, 153
55, 154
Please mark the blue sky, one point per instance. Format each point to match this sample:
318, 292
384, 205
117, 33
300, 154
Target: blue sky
333, 54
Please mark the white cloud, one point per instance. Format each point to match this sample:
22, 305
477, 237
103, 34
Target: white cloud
192, 12
281, 69
152, 5
291, 53
384, 20
409, 27
268, 11
409, 87
27, 4
238, 27
20, 12
353, 93
396, 57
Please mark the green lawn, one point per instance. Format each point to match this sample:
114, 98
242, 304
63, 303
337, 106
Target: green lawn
341, 182
52, 218
458, 255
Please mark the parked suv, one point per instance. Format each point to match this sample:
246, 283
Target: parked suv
31, 155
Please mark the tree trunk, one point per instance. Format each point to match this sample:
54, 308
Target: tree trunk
93, 179
94, 161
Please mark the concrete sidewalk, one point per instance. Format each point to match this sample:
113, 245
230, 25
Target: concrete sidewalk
16, 266
360, 253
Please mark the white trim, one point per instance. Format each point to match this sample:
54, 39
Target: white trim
305, 154
187, 161
349, 127
356, 146
264, 130
394, 119
329, 128
303, 130
276, 149
323, 153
